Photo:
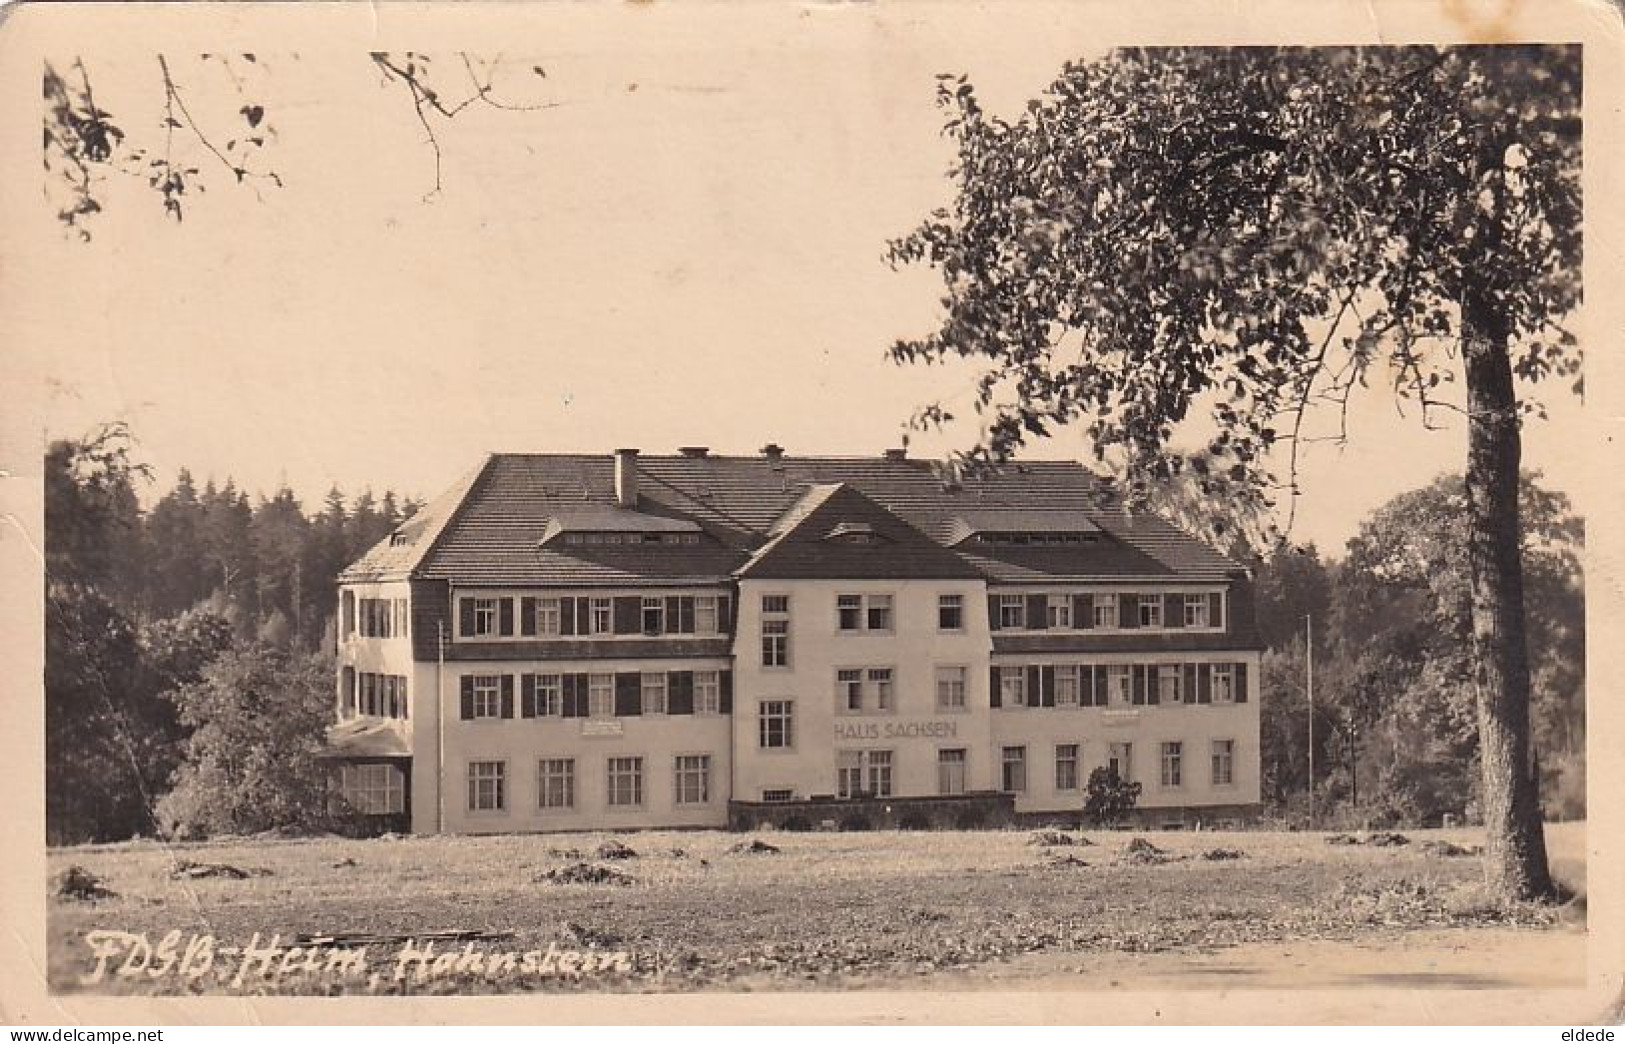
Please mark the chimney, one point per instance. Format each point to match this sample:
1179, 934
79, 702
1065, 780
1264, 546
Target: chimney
899, 453
626, 478
695, 452
773, 452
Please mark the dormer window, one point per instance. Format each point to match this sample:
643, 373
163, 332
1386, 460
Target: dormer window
398, 539
854, 533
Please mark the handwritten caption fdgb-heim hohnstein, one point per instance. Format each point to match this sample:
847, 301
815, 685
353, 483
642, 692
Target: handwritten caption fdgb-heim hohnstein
197, 959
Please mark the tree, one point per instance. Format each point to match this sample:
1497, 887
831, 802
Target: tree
1110, 797
1250, 231
258, 719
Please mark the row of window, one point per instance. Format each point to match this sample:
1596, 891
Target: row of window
869, 773
556, 783
376, 617
373, 695
376, 789
592, 616
1117, 685
1116, 611
595, 695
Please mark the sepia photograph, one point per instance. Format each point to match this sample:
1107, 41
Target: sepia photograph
898, 505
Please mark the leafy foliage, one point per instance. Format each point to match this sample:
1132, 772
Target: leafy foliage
1110, 797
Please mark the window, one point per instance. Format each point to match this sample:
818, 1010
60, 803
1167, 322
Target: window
380, 617
485, 617
705, 615
1105, 606
863, 612
654, 692
707, 692
1168, 684
951, 771
487, 786
1066, 685
1059, 611
778, 794
1014, 764
951, 612
1066, 766
1012, 612
1118, 685
1196, 610
601, 619
487, 696
625, 782
859, 690
863, 772
849, 688
950, 688
1224, 762
1172, 753
775, 631
601, 695
547, 617
880, 683
1224, 684
775, 724
693, 779
556, 783
549, 696
1120, 759
381, 695
1150, 611
654, 616
1012, 687
373, 790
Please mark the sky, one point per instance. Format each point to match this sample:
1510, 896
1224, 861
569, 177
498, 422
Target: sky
686, 247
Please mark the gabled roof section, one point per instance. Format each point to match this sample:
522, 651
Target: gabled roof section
599, 518
397, 555
804, 550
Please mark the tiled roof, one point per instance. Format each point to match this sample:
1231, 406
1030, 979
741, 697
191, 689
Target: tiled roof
819, 544
742, 503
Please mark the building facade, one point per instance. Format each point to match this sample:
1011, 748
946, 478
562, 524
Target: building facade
627, 641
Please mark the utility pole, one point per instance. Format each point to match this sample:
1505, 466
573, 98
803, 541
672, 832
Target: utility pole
1309, 685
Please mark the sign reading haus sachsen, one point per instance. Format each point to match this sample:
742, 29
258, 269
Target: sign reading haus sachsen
629, 640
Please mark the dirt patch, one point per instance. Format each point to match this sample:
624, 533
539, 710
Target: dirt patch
1066, 859
1378, 839
755, 846
78, 883
1052, 839
1447, 849
615, 850
585, 873
186, 870
1140, 852
1220, 854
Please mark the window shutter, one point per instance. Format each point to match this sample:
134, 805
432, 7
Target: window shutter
1240, 682
505, 617
1153, 693
1190, 683
1137, 684
465, 616
1173, 610
1103, 686
680, 692
1033, 682
567, 616
527, 695
674, 611
1037, 612
1128, 610
628, 694
347, 692
507, 695
468, 697
1204, 683
995, 696
725, 620
685, 616
993, 612
349, 612
1046, 686
527, 617
628, 612
727, 697
1215, 610
583, 608
1083, 611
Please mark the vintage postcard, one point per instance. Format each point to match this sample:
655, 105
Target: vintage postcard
812, 512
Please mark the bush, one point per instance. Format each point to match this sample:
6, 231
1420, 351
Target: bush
856, 821
913, 819
796, 823
970, 819
1111, 799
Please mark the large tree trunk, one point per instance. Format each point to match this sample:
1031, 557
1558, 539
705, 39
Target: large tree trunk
1515, 843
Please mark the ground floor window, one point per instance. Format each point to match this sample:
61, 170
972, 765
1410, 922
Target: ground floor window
1172, 756
693, 779
1014, 764
373, 790
1066, 766
863, 772
556, 783
1224, 761
775, 724
625, 782
777, 794
487, 786
1120, 760
951, 771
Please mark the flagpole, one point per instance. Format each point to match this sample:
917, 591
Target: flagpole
1309, 685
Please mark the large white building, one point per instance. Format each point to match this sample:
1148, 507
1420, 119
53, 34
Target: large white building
621, 641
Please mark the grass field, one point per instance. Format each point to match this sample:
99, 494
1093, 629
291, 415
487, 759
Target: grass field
826, 911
